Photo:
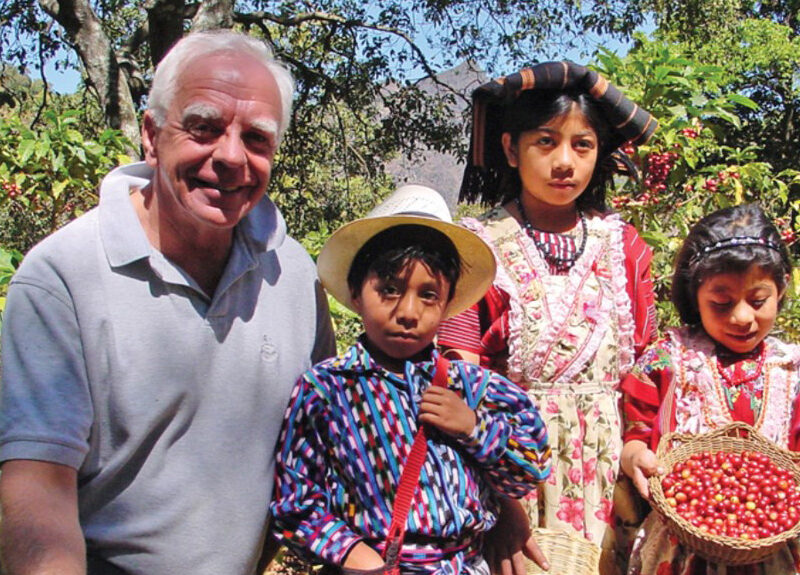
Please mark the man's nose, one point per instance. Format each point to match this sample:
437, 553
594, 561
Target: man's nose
230, 150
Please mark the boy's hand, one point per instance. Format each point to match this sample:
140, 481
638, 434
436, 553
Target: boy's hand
363, 557
446, 411
510, 540
639, 462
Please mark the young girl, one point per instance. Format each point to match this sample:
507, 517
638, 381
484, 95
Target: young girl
572, 302
729, 282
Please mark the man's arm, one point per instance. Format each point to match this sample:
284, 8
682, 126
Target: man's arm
40, 532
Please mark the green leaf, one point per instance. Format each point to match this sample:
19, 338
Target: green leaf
743, 101
25, 150
74, 136
58, 188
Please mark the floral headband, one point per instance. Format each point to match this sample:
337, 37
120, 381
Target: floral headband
486, 161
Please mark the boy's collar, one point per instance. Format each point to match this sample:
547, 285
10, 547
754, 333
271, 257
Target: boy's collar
365, 361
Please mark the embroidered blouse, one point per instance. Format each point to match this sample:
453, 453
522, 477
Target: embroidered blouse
679, 382
483, 329
347, 431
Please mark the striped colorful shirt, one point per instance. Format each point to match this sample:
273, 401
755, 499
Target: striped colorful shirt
346, 434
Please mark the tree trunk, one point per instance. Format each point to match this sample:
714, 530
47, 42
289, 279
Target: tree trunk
165, 23
213, 14
99, 60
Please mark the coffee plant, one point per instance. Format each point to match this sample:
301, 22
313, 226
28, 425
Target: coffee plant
48, 175
686, 170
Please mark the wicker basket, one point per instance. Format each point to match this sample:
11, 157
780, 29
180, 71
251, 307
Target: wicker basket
732, 438
567, 554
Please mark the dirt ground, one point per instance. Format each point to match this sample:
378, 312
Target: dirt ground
287, 564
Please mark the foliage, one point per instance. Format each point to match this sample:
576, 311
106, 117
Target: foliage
758, 47
346, 324
687, 170
49, 174
343, 51
9, 262
762, 60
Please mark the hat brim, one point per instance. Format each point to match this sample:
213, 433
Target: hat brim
477, 260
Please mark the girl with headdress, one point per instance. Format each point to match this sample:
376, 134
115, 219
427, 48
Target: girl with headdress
572, 304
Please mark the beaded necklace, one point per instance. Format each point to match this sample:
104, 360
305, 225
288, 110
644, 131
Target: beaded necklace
744, 370
555, 261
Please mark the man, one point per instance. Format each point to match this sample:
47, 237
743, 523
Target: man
150, 347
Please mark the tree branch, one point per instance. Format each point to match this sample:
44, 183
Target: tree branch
324, 17
45, 87
165, 21
213, 14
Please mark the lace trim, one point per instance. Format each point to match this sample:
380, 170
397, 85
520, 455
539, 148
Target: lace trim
700, 403
502, 232
625, 319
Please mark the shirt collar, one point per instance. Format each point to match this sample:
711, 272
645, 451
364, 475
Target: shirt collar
358, 360
124, 239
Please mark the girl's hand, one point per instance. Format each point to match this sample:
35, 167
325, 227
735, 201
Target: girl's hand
639, 462
445, 410
363, 557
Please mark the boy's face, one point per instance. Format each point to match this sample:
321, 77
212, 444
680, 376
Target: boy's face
402, 314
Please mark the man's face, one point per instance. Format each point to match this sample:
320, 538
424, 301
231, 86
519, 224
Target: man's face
213, 155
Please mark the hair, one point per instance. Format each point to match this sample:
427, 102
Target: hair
202, 45
699, 258
535, 108
390, 251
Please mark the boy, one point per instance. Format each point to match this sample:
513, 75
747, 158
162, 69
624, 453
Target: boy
351, 420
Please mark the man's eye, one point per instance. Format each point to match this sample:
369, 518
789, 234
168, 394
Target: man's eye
758, 303
260, 141
545, 141
584, 144
203, 130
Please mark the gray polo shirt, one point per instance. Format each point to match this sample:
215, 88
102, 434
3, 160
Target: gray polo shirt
166, 401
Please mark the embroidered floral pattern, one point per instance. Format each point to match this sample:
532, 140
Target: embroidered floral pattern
702, 403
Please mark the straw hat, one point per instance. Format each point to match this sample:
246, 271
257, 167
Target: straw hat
412, 204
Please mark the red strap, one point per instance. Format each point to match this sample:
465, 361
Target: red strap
409, 478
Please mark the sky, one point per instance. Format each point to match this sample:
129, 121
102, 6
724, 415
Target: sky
67, 81
62, 81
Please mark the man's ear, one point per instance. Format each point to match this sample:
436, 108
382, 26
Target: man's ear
149, 136
510, 150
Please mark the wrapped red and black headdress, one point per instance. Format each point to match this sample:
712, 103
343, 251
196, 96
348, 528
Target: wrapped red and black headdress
629, 124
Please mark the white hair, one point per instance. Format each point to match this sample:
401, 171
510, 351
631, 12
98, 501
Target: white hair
200, 44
